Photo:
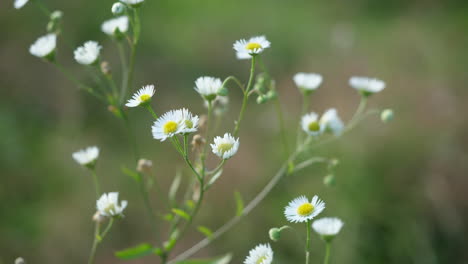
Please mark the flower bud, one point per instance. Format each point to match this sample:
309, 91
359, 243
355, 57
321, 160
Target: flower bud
261, 83
271, 95
144, 166
329, 180
105, 68
98, 218
386, 115
275, 234
197, 142
118, 9
56, 15
261, 99
20, 261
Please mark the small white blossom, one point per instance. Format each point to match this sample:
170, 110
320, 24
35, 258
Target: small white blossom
108, 205
331, 122
20, 3
86, 157
168, 125
44, 46
116, 24
208, 87
261, 254
142, 96
88, 53
190, 121
118, 8
133, 3
307, 81
367, 86
311, 125
245, 49
301, 210
225, 147
328, 227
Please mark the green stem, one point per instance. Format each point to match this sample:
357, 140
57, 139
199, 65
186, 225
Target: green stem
136, 37
96, 182
305, 109
327, 253
106, 231
307, 249
235, 80
150, 109
149, 208
207, 134
246, 97
123, 63
92, 255
43, 8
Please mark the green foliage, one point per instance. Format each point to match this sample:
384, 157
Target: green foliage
138, 251
239, 203
219, 260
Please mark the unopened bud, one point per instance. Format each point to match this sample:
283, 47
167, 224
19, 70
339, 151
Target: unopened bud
271, 95
56, 15
105, 68
275, 234
329, 180
386, 115
197, 142
20, 261
202, 122
118, 8
98, 218
144, 166
261, 99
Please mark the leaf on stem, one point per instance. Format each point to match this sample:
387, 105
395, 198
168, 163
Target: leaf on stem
239, 203
214, 178
219, 260
138, 251
131, 173
205, 230
181, 213
174, 187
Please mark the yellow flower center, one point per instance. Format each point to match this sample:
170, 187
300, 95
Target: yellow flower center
305, 209
314, 126
188, 123
224, 147
145, 97
260, 260
109, 208
253, 46
170, 127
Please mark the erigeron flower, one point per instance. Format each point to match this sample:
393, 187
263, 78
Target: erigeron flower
311, 125
88, 53
20, 3
331, 122
108, 205
307, 82
168, 125
261, 254
301, 210
115, 26
87, 157
118, 8
208, 87
189, 121
133, 3
246, 49
141, 97
367, 86
44, 47
327, 227
225, 147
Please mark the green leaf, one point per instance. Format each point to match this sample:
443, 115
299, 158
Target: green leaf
138, 251
181, 213
174, 187
190, 204
239, 203
131, 173
219, 260
214, 178
205, 230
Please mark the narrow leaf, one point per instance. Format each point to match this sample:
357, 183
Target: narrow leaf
219, 260
214, 178
181, 213
131, 173
174, 187
138, 251
205, 230
239, 203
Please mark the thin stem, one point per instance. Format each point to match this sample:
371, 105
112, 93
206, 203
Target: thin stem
92, 255
106, 231
246, 97
96, 182
327, 253
132, 137
307, 249
136, 37
235, 80
358, 113
123, 63
43, 8
149, 208
207, 134
305, 109
150, 109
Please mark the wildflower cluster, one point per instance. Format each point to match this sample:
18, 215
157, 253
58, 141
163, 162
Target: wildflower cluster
191, 135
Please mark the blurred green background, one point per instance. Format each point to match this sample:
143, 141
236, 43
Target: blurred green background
401, 187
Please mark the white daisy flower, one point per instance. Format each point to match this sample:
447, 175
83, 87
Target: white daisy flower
208, 87
20, 3
189, 121
168, 125
261, 254
331, 122
108, 205
301, 210
307, 82
367, 86
245, 49
44, 46
311, 125
327, 227
141, 97
88, 53
112, 26
86, 157
133, 3
225, 147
